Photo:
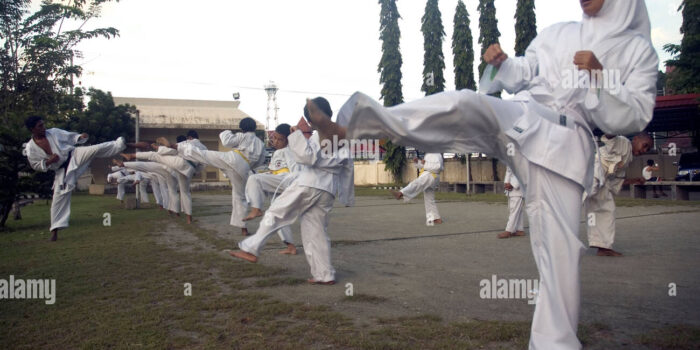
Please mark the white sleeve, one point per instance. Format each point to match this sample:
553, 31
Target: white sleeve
304, 151
515, 73
630, 109
37, 162
230, 139
67, 137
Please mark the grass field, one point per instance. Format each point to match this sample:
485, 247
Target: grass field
121, 286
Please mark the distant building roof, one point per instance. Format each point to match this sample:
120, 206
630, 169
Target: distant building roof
186, 114
676, 113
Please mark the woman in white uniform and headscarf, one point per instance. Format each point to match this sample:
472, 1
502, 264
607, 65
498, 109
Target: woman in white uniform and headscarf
543, 134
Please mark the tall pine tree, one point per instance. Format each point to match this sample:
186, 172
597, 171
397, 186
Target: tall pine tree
488, 35
488, 29
390, 75
525, 25
433, 59
463, 49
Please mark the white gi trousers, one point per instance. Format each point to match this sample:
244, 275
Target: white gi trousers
183, 180
426, 183
311, 206
143, 189
602, 205
78, 164
266, 183
168, 185
121, 190
515, 216
236, 169
462, 122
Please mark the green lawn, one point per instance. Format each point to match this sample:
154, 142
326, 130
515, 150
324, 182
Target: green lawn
118, 287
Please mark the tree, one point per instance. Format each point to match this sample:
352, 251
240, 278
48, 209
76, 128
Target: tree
488, 35
488, 29
685, 77
463, 50
102, 120
525, 25
433, 59
390, 75
36, 72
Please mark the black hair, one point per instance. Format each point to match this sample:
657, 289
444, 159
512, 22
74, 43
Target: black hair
283, 129
181, 138
193, 134
31, 121
247, 124
650, 162
322, 104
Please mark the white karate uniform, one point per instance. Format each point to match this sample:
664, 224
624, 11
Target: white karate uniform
248, 153
282, 168
185, 170
615, 156
144, 179
427, 182
309, 198
123, 181
543, 136
167, 180
66, 174
515, 203
117, 174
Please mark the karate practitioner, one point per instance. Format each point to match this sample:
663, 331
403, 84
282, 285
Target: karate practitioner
324, 174
167, 181
427, 182
281, 170
170, 158
614, 158
113, 178
248, 153
543, 134
514, 227
55, 149
143, 180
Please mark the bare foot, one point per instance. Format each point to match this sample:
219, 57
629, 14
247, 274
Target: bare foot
398, 195
177, 214
290, 250
504, 234
313, 281
160, 207
519, 233
608, 252
189, 219
244, 232
162, 141
437, 221
54, 235
254, 213
128, 156
243, 255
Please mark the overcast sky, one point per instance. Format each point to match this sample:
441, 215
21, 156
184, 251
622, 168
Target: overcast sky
209, 49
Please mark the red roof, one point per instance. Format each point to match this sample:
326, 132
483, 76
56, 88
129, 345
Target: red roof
674, 101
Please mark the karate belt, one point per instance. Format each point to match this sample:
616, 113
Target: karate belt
422, 171
64, 166
280, 171
241, 154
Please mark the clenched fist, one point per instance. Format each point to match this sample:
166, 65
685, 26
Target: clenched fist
586, 60
494, 55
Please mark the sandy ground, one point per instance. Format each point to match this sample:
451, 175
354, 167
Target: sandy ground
383, 248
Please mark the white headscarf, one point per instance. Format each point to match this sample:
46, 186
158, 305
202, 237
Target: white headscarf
616, 22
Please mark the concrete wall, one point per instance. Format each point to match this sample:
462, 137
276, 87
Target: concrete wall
372, 173
369, 173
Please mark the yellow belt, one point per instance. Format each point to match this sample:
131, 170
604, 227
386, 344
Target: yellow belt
280, 171
423, 170
241, 154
